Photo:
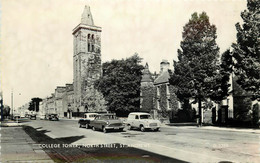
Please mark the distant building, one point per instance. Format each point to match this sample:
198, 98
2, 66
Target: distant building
59, 93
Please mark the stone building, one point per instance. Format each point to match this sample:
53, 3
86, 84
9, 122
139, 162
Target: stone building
157, 95
59, 93
68, 101
86, 58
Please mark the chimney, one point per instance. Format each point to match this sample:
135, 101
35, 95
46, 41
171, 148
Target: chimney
164, 66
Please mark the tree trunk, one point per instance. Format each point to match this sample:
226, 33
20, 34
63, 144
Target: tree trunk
199, 104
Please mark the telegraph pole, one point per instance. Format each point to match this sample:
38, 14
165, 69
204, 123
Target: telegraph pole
1, 105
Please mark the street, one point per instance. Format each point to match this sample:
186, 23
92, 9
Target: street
184, 143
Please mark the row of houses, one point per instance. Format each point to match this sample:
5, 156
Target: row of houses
60, 102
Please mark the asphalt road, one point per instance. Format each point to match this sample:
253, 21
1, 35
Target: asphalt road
189, 144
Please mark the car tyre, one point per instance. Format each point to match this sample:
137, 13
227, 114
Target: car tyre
104, 130
87, 126
129, 127
142, 128
158, 129
80, 126
93, 128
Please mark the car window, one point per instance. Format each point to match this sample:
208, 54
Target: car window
109, 117
136, 117
145, 117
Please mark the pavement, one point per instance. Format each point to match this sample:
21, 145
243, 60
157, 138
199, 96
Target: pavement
17, 146
231, 129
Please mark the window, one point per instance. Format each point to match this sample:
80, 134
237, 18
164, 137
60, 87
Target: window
158, 105
158, 90
136, 117
167, 89
92, 48
145, 117
88, 47
168, 104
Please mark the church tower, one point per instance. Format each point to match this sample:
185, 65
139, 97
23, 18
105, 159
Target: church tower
86, 57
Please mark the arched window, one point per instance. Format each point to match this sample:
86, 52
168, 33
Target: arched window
88, 47
92, 43
89, 43
92, 48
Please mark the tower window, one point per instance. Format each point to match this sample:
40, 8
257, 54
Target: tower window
88, 47
92, 48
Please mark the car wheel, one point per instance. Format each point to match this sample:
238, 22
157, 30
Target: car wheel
142, 129
93, 128
121, 129
104, 130
158, 129
129, 127
80, 126
87, 126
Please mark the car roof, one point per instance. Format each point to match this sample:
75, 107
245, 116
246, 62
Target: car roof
107, 114
139, 113
90, 113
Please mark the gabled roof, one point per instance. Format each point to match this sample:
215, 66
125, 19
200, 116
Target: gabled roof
146, 77
162, 78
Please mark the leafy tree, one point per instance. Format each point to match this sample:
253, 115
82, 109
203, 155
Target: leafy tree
246, 50
34, 104
222, 85
120, 84
196, 73
94, 100
6, 110
242, 102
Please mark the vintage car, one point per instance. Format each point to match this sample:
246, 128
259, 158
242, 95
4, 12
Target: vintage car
84, 122
33, 116
142, 121
106, 122
53, 117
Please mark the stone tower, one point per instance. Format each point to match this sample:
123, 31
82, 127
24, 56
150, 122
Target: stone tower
86, 57
147, 90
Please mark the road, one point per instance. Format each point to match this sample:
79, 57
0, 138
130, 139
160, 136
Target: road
189, 144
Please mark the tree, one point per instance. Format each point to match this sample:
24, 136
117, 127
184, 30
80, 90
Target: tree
6, 110
196, 72
94, 100
120, 84
246, 50
34, 104
222, 85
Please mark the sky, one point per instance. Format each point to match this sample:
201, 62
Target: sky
37, 44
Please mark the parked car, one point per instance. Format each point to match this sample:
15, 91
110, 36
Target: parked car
84, 122
42, 116
53, 117
106, 122
16, 116
33, 116
142, 121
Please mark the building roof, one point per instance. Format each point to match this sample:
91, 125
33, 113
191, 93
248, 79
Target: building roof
162, 78
146, 77
86, 17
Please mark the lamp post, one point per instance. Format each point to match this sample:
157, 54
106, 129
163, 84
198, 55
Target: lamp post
12, 104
